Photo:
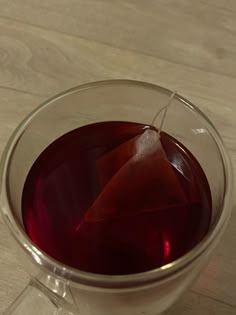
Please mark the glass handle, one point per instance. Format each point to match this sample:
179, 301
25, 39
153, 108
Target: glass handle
37, 299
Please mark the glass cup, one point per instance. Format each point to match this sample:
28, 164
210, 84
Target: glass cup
59, 289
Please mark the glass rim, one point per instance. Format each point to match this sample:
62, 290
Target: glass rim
68, 273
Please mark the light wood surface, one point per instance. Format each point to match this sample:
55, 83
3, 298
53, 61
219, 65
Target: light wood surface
48, 46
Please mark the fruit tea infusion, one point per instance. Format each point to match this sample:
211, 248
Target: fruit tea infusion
116, 198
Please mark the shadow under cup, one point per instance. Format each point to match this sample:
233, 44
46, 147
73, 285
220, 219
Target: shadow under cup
118, 100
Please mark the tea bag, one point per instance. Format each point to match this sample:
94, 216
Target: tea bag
136, 177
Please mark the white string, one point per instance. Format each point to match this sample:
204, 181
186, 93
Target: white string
165, 112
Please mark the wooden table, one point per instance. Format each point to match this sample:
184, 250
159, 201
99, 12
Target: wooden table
47, 46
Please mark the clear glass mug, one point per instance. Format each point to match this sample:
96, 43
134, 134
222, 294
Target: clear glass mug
58, 289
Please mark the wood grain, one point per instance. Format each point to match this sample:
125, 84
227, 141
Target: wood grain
44, 62
198, 34
197, 304
49, 46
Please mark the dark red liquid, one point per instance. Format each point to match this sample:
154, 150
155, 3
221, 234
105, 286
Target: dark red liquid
98, 200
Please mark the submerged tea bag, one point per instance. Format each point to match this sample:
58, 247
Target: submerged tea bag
135, 177
138, 180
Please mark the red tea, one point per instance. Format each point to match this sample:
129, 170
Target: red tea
110, 198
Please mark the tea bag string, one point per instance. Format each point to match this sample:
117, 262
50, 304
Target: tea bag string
165, 108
